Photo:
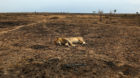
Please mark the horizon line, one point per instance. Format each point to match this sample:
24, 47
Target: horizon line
71, 12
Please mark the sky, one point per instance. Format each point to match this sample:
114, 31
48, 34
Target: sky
71, 6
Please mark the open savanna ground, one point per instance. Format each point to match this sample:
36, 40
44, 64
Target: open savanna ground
27, 48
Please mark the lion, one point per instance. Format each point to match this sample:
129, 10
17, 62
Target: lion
69, 41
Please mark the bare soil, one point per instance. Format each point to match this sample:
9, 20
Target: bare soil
27, 48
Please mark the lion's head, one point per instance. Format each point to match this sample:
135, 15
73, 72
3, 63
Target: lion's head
60, 41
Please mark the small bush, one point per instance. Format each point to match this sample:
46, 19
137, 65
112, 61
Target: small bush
54, 18
38, 47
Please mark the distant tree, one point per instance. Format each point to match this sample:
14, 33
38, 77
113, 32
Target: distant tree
115, 11
100, 13
137, 13
138, 18
94, 12
35, 12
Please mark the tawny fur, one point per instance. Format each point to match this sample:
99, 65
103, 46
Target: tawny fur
70, 41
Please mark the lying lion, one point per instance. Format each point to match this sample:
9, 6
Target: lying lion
69, 41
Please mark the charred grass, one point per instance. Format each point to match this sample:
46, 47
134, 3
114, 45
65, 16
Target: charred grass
112, 49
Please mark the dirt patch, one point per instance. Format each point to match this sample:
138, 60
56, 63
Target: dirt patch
37, 47
28, 51
6, 24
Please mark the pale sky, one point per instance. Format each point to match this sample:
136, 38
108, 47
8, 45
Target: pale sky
75, 6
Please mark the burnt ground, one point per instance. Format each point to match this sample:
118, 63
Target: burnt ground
27, 48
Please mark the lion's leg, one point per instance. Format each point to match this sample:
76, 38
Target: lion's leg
60, 43
72, 44
67, 44
82, 41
